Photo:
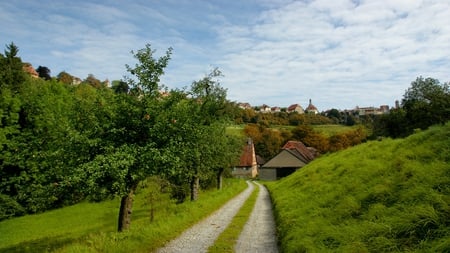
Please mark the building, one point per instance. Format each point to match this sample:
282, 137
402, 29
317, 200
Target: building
296, 108
293, 156
311, 108
248, 165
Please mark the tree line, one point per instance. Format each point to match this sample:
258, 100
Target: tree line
64, 143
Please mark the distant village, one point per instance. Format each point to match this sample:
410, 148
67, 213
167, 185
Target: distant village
311, 109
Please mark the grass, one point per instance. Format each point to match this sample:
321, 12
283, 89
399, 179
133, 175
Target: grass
227, 240
91, 227
330, 130
327, 130
381, 196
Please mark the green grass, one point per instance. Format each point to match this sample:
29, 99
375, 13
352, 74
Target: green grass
91, 227
381, 196
227, 240
330, 130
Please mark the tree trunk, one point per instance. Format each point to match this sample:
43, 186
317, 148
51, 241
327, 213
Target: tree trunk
219, 179
195, 185
126, 205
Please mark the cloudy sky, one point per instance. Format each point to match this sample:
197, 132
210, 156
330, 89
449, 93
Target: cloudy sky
339, 53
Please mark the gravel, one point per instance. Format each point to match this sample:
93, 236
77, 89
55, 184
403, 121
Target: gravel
199, 237
259, 233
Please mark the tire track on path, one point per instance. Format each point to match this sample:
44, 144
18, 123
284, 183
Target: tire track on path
259, 233
199, 237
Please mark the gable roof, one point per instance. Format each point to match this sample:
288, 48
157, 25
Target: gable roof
294, 154
300, 149
294, 106
248, 158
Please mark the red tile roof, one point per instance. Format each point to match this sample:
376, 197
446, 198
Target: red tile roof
300, 149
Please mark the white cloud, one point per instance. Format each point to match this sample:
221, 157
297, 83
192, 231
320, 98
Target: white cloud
339, 53
364, 52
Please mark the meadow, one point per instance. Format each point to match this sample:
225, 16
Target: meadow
391, 195
91, 227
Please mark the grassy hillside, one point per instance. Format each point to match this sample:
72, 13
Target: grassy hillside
381, 196
90, 227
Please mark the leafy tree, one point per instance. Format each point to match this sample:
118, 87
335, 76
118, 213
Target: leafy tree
130, 155
65, 77
426, 102
11, 69
44, 72
120, 86
94, 82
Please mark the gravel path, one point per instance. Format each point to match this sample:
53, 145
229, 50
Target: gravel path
199, 237
259, 235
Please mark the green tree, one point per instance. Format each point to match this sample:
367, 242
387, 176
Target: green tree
44, 72
65, 77
11, 69
131, 155
426, 102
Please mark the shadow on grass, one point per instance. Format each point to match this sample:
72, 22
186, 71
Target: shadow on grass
46, 244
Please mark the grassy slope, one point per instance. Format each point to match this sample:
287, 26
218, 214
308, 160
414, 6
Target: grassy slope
381, 196
90, 227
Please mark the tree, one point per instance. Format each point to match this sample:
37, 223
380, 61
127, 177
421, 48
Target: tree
147, 71
132, 129
44, 72
65, 77
11, 69
426, 102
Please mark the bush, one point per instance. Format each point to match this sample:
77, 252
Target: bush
9, 207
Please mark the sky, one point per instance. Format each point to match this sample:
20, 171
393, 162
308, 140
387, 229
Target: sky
339, 53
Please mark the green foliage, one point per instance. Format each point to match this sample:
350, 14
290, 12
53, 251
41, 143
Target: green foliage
426, 102
90, 227
389, 195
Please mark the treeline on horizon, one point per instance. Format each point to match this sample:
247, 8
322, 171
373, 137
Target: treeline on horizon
63, 143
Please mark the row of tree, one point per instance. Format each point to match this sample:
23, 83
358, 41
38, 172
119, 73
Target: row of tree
426, 102
62, 143
269, 140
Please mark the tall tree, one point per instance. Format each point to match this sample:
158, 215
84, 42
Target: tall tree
11, 68
131, 130
426, 102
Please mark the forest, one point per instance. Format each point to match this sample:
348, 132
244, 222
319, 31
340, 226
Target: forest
65, 140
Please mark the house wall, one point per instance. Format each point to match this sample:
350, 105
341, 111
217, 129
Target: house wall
269, 174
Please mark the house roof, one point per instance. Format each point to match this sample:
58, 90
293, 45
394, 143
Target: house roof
311, 107
299, 148
294, 106
248, 158
294, 154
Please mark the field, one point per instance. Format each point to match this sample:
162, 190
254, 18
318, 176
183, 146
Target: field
381, 196
327, 130
91, 227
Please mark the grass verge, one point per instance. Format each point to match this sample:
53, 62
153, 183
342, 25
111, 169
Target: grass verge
227, 240
91, 227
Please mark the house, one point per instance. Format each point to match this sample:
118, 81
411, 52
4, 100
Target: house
275, 109
248, 165
293, 156
296, 108
264, 108
311, 108
244, 106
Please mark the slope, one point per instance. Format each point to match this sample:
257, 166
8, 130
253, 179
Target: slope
381, 196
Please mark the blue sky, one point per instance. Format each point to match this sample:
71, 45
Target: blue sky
340, 53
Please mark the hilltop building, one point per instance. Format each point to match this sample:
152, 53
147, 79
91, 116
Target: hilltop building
311, 108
